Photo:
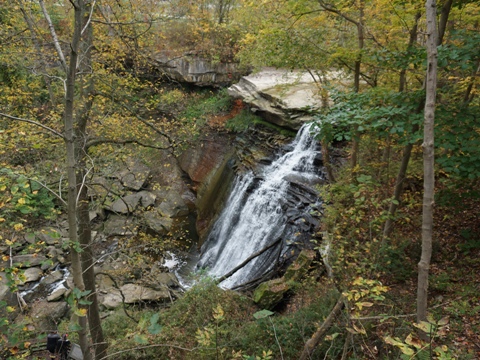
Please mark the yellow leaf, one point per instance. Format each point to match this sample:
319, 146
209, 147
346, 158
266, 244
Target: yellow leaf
18, 227
81, 312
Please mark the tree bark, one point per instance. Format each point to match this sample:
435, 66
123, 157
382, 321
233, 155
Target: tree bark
71, 172
428, 162
84, 227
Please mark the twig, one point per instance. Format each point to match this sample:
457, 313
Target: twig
276, 338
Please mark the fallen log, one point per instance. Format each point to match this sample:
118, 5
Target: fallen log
246, 261
318, 336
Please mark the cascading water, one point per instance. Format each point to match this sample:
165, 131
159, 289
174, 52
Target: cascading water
255, 214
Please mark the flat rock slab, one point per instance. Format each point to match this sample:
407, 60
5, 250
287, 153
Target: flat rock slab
29, 260
30, 275
133, 294
285, 97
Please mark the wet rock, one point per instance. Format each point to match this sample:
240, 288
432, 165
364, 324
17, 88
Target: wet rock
58, 293
53, 277
29, 260
30, 275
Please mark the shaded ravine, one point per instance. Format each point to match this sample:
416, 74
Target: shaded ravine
272, 206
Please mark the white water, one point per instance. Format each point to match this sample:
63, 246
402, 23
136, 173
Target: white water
254, 217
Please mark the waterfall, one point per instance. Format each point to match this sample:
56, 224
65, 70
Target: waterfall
255, 214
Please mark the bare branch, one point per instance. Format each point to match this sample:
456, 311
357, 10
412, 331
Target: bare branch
56, 42
100, 141
89, 18
34, 123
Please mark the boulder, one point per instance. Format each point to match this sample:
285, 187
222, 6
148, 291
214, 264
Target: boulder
100, 187
50, 236
46, 315
4, 289
28, 260
157, 223
134, 175
132, 293
270, 293
30, 275
300, 266
129, 203
119, 225
58, 293
173, 206
53, 277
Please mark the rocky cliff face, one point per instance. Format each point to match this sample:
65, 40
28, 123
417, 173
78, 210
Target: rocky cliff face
285, 98
196, 70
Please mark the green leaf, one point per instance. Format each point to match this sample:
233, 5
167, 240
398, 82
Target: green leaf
155, 329
140, 339
263, 314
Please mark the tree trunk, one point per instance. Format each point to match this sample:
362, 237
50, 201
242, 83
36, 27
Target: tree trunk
407, 150
358, 63
85, 232
428, 162
313, 342
71, 172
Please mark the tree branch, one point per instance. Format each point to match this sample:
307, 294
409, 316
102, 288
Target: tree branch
54, 132
56, 42
100, 141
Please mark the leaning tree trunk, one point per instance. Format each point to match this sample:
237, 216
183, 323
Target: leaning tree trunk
428, 162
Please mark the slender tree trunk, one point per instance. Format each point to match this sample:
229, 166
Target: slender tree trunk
356, 80
400, 180
442, 23
71, 172
428, 162
85, 232
407, 150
